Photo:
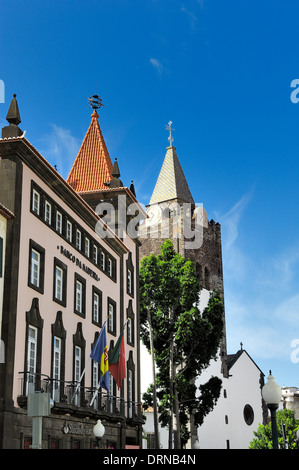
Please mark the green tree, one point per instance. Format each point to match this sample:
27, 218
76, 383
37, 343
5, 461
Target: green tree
184, 339
263, 435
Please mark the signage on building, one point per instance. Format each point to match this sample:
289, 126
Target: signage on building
78, 263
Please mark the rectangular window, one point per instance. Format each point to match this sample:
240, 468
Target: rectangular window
95, 254
56, 368
87, 247
59, 222
79, 295
103, 261
95, 381
130, 285
69, 229
96, 306
31, 359
129, 331
58, 283
130, 393
35, 202
60, 278
79, 301
48, 211
110, 267
77, 371
111, 316
36, 266
78, 239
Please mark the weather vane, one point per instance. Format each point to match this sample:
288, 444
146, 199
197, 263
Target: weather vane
169, 128
95, 101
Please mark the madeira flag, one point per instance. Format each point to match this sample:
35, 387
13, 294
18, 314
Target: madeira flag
100, 355
117, 363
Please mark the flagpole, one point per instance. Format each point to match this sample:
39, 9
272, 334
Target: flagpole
94, 395
82, 375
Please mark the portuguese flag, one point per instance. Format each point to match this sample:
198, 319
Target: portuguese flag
117, 362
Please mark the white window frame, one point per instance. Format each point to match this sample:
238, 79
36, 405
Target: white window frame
130, 331
130, 393
77, 374
59, 283
87, 247
35, 202
35, 268
110, 267
111, 316
48, 212
103, 260
95, 254
129, 279
56, 368
31, 359
78, 239
95, 375
96, 307
69, 228
79, 296
59, 222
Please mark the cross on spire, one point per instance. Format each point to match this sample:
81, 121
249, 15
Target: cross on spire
169, 128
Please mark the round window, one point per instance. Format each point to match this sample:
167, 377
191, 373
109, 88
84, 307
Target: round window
248, 414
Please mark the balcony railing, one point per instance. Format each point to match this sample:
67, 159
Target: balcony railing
69, 394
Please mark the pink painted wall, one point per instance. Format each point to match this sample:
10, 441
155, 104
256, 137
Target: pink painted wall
33, 228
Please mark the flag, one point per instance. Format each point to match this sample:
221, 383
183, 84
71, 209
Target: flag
117, 363
100, 355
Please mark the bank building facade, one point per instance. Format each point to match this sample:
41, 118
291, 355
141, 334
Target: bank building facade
61, 283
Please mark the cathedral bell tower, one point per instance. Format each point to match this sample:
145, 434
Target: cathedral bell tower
173, 214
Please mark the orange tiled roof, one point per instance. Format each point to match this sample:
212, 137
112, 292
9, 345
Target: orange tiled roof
92, 167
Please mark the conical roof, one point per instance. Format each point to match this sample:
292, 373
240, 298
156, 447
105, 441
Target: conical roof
171, 183
92, 167
13, 115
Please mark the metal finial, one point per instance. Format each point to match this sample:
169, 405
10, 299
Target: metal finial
95, 101
169, 128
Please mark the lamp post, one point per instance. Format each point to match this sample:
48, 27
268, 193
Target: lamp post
271, 393
99, 431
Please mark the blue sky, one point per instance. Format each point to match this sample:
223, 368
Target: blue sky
222, 73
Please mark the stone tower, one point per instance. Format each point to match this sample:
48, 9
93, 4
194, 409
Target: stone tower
173, 214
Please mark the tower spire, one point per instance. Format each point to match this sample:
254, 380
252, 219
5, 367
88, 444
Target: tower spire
92, 166
171, 183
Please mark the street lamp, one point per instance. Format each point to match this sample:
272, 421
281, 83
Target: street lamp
271, 393
99, 431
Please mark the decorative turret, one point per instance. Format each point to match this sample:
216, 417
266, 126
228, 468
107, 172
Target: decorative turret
14, 119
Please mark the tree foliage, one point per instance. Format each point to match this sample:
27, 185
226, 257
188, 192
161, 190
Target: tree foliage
168, 284
263, 435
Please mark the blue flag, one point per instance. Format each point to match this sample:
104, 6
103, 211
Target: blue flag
100, 355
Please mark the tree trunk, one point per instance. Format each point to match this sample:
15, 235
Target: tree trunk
174, 427
156, 429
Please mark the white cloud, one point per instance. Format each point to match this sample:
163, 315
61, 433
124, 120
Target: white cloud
60, 148
157, 65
